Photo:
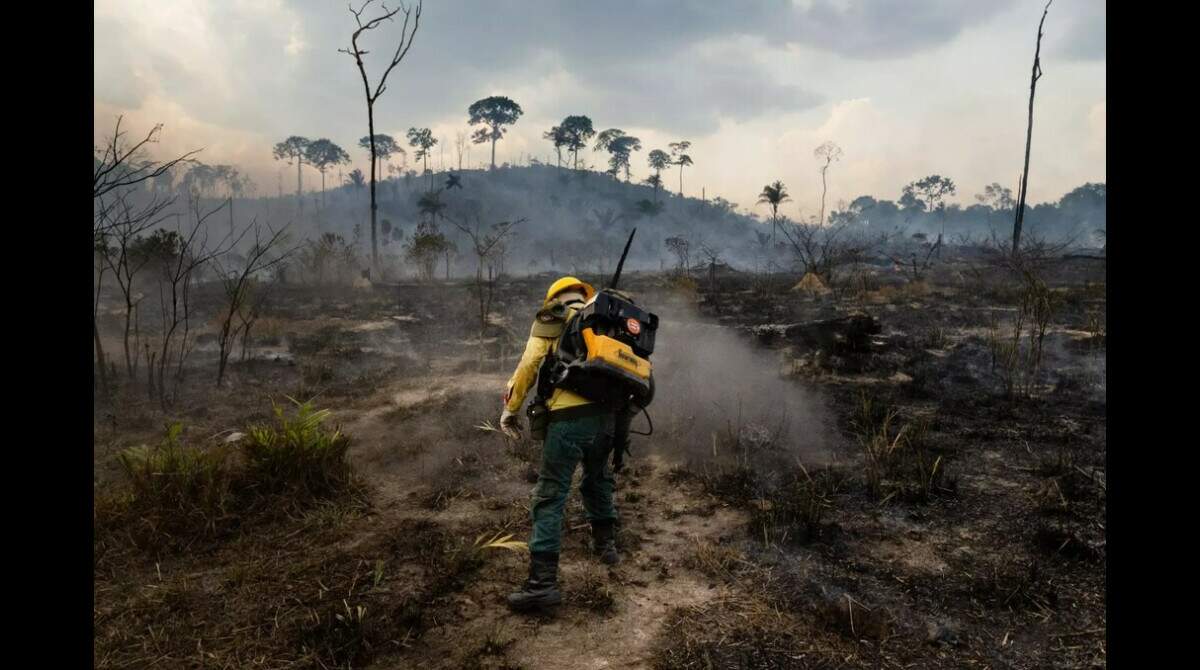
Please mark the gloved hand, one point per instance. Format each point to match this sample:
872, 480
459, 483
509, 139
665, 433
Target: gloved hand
510, 424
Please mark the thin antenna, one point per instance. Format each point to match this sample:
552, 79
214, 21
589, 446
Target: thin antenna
617, 275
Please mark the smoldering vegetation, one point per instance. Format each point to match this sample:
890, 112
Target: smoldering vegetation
873, 472
715, 387
578, 220
864, 455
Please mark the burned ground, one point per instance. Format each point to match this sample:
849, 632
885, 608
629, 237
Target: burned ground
857, 480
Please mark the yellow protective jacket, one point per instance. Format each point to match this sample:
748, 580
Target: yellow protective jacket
542, 336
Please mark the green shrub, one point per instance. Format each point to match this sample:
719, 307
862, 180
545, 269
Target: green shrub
190, 486
175, 495
297, 454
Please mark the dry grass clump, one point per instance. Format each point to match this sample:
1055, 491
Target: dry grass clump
751, 469
717, 561
273, 599
683, 285
935, 337
1068, 491
786, 505
1013, 585
591, 589
489, 652
1017, 350
898, 460
794, 511
730, 632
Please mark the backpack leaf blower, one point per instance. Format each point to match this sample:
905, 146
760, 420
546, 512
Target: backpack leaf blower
604, 351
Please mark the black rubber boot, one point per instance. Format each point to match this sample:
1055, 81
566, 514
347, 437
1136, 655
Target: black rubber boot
541, 589
604, 541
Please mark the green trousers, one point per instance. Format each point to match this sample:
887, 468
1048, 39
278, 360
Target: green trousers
568, 443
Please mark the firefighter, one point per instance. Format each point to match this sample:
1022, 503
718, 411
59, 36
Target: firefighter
579, 431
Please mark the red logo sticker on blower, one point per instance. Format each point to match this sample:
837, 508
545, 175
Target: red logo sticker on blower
633, 326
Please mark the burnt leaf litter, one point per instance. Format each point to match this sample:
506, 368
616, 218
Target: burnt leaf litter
954, 516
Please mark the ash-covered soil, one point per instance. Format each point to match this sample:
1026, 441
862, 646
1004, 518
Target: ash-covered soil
861, 478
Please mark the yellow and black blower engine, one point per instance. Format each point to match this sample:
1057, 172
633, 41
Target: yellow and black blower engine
604, 351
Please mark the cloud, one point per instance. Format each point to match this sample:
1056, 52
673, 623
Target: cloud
1082, 25
688, 93
733, 77
118, 80
877, 29
265, 64
1097, 122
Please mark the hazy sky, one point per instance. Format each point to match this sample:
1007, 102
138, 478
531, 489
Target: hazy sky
906, 87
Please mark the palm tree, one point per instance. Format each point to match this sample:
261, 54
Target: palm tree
493, 113
620, 145
423, 140
294, 149
682, 161
356, 179
658, 160
578, 130
655, 181
774, 195
322, 154
678, 149
431, 205
560, 138
234, 181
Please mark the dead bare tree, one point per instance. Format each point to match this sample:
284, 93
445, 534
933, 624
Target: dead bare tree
820, 249
681, 248
913, 256
101, 266
460, 145
405, 43
827, 152
238, 284
1035, 75
123, 249
712, 256
119, 164
1036, 255
186, 253
260, 294
484, 243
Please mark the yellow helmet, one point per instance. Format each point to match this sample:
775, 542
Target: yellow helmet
569, 283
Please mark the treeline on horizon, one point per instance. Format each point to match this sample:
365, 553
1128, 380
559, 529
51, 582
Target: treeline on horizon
424, 213
564, 202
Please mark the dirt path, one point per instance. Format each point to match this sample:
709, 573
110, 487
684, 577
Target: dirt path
610, 617
653, 579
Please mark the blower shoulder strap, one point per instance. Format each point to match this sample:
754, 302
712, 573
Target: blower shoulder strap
550, 323
550, 320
